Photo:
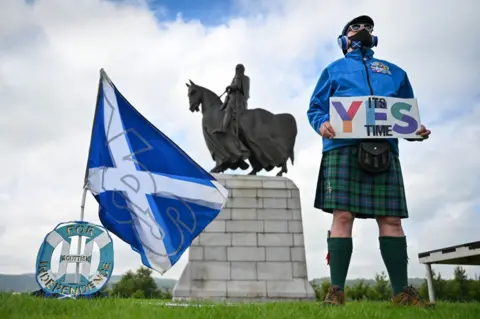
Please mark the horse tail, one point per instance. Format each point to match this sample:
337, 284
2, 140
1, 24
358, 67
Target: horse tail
292, 158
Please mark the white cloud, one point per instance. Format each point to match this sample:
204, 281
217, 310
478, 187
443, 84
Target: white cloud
50, 55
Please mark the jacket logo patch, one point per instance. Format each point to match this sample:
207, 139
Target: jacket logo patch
380, 68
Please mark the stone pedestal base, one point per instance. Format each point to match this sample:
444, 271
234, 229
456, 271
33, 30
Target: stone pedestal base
254, 249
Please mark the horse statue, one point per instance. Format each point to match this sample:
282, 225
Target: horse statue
265, 139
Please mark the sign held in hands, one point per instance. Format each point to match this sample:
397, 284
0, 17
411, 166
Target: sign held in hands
376, 117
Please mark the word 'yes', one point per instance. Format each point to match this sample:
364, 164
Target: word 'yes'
377, 110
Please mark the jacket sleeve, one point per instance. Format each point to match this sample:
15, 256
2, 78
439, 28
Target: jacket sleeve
406, 91
318, 111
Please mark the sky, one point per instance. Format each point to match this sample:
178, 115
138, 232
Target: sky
51, 52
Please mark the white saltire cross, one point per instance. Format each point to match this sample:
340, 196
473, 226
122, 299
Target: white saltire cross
116, 178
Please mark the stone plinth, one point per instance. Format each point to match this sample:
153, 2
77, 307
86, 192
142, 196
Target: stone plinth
254, 249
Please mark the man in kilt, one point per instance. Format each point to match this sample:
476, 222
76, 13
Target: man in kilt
347, 190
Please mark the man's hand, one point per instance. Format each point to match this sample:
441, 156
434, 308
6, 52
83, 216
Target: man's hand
423, 132
326, 130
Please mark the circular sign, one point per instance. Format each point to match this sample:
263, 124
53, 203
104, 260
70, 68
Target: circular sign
83, 283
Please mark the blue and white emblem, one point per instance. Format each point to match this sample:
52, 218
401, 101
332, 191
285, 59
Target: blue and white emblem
379, 67
85, 283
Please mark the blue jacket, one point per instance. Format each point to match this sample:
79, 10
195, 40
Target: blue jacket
352, 75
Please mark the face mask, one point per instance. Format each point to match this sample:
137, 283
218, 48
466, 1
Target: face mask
362, 38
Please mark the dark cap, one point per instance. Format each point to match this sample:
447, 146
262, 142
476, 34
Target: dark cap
359, 19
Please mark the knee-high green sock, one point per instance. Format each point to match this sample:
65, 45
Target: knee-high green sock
394, 254
340, 252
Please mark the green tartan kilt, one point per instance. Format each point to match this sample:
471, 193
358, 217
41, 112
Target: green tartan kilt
343, 185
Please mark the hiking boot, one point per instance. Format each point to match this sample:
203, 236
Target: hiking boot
335, 297
410, 297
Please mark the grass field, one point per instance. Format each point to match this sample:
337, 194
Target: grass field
21, 307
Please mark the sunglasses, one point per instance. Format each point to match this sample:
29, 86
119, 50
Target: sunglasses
358, 26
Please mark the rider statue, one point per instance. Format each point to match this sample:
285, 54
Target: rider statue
236, 101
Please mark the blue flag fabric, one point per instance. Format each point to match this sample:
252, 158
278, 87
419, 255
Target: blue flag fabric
151, 194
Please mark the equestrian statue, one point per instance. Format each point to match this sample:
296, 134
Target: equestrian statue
234, 133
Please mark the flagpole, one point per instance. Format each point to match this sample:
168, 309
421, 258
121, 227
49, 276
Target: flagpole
79, 244
82, 205
85, 182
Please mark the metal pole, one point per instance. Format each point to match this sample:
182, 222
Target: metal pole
79, 245
82, 205
431, 291
85, 188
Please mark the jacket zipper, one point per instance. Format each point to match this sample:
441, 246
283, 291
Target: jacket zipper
368, 78
366, 70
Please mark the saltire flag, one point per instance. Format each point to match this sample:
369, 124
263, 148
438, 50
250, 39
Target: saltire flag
151, 194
